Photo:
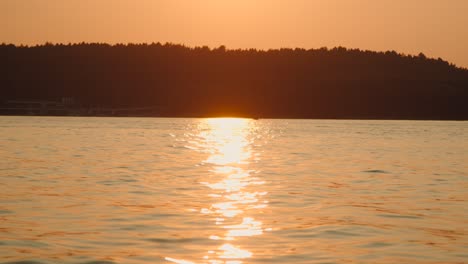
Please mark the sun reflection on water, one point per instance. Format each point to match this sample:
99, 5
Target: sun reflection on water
234, 186
228, 142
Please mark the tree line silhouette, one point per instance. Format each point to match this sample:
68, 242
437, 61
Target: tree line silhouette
199, 81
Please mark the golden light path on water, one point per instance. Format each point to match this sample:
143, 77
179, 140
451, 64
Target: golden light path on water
228, 143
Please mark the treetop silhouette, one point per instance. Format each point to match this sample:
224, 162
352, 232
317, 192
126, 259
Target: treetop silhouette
203, 81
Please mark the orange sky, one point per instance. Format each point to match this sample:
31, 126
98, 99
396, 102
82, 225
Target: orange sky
439, 28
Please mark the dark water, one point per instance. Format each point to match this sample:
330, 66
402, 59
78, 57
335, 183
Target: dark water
131, 190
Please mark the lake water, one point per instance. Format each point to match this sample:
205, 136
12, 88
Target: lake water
157, 190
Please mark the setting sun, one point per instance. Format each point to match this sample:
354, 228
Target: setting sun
233, 131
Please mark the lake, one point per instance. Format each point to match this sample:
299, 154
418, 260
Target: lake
224, 190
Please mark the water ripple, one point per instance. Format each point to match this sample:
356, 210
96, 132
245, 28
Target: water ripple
161, 190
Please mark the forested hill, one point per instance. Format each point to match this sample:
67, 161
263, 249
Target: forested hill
285, 83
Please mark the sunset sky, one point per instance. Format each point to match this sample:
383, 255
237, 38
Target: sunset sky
439, 28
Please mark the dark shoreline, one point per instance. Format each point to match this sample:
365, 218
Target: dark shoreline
174, 80
245, 117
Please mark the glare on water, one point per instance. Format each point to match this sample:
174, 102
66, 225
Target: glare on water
229, 144
229, 191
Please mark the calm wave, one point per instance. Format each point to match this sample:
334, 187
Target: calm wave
155, 190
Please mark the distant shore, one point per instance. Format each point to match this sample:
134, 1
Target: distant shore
232, 116
91, 79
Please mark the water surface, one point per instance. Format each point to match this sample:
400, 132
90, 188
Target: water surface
155, 190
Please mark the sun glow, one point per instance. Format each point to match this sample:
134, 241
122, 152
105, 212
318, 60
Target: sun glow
230, 145
233, 184
228, 141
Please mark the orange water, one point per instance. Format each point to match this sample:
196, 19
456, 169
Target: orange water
144, 190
